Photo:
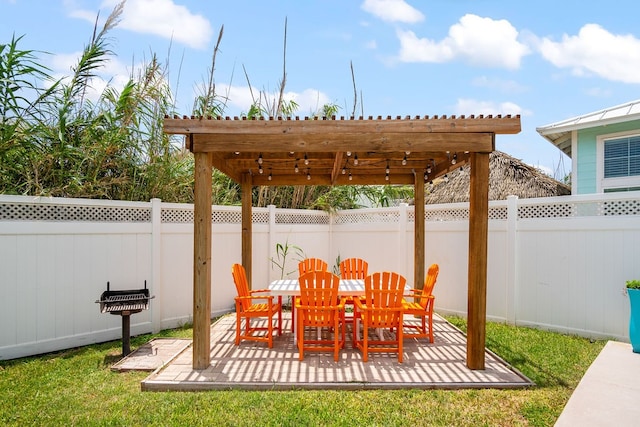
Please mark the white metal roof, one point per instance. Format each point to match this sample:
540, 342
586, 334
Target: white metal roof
559, 133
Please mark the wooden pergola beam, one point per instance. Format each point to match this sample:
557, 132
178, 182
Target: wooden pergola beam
332, 127
247, 226
202, 261
319, 143
477, 282
418, 232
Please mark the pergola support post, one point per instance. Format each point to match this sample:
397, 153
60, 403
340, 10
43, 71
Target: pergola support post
477, 285
418, 233
247, 225
202, 261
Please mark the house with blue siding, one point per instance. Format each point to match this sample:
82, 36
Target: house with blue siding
604, 147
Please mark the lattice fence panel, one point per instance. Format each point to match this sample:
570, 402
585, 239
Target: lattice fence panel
367, 217
498, 212
176, 216
53, 212
552, 210
260, 217
621, 207
453, 214
301, 218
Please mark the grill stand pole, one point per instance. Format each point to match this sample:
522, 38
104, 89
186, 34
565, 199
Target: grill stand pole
126, 333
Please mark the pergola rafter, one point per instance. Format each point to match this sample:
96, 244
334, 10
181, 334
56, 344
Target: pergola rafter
330, 151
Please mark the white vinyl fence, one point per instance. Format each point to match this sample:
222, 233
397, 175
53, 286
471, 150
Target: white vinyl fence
554, 263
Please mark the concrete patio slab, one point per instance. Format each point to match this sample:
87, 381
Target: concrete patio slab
254, 366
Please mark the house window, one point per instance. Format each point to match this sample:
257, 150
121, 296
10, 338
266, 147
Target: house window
622, 157
620, 163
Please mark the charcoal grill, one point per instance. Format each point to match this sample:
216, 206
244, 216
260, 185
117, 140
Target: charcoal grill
125, 303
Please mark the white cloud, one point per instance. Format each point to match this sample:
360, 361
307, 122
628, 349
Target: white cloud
393, 11
468, 107
371, 44
598, 92
596, 51
479, 41
309, 101
112, 73
506, 86
162, 18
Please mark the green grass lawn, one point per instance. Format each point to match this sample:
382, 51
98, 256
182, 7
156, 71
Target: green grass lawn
77, 387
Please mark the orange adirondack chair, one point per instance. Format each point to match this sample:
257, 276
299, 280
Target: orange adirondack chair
250, 305
381, 308
312, 264
319, 306
422, 306
305, 266
353, 268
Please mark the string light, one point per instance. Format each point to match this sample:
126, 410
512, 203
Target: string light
260, 159
429, 166
344, 170
306, 159
308, 174
355, 159
270, 176
260, 168
296, 169
348, 153
350, 177
455, 159
387, 169
404, 160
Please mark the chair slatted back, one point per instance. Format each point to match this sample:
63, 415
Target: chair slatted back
242, 286
383, 293
312, 264
429, 284
354, 268
318, 296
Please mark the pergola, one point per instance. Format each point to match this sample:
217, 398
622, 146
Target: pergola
331, 151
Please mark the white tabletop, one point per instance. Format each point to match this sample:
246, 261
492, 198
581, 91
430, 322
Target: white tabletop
292, 287
348, 287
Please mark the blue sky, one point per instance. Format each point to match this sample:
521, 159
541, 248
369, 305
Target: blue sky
545, 60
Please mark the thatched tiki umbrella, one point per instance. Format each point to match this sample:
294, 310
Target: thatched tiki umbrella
507, 176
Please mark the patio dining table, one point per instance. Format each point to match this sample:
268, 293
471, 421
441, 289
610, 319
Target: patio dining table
347, 288
291, 287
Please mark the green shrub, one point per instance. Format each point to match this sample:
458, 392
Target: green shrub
633, 284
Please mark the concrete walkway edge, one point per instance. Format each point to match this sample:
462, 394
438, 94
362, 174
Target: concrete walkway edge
609, 392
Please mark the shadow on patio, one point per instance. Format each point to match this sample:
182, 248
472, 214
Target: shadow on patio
253, 366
